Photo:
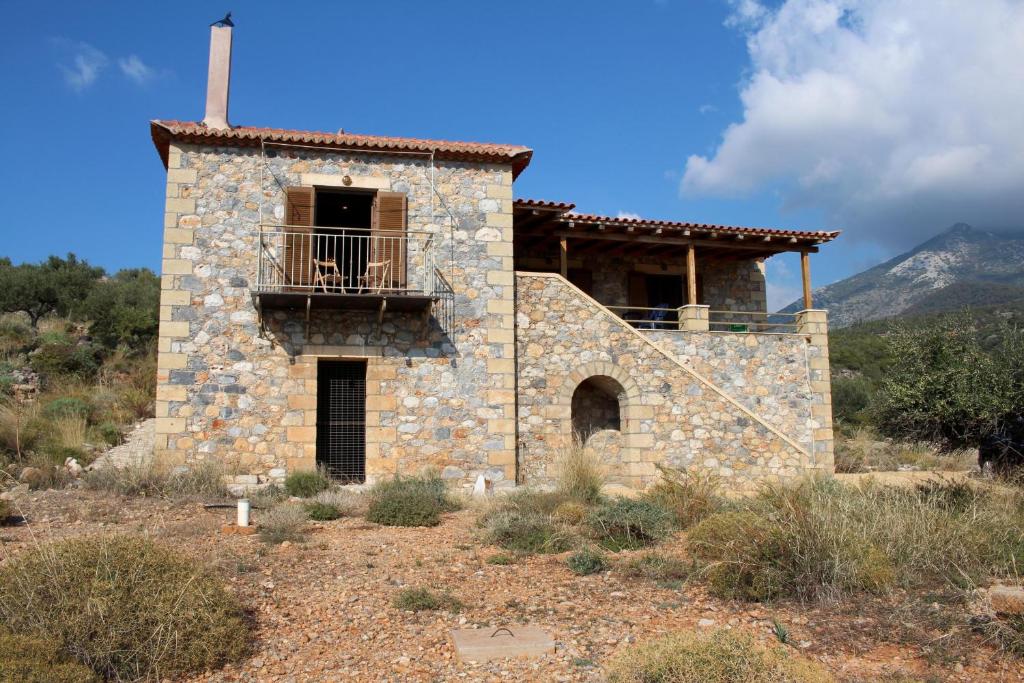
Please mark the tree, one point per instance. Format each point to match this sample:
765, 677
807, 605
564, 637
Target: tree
124, 309
949, 385
54, 286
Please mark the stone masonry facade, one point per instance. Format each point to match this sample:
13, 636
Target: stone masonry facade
244, 394
488, 388
750, 407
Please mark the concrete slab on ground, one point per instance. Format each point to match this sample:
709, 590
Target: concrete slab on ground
485, 644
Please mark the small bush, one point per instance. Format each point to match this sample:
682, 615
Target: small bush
424, 599
715, 657
501, 559
741, 555
306, 484
957, 496
571, 512
267, 497
657, 567
626, 524
322, 512
347, 503
110, 433
580, 474
691, 495
285, 522
125, 606
586, 561
410, 501
6, 510
66, 406
34, 660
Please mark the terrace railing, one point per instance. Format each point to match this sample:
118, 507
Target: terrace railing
669, 318
345, 261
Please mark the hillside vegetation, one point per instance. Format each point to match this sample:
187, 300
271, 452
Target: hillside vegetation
77, 361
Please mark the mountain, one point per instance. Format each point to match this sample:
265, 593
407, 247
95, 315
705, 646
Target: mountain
962, 266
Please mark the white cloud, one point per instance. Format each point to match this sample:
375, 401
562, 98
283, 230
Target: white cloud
628, 214
136, 70
707, 108
895, 118
82, 64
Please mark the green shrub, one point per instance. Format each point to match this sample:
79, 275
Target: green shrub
410, 501
33, 660
657, 567
306, 484
125, 606
580, 474
285, 522
586, 561
501, 559
110, 433
66, 406
55, 360
526, 531
721, 656
691, 495
424, 599
322, 512
957, 496
6, 510
624, 523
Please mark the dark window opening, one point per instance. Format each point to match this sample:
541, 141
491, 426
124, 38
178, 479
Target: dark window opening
342, 225
595, 406
341, 420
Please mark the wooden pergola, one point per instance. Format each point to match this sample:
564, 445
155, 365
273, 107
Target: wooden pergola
541, 226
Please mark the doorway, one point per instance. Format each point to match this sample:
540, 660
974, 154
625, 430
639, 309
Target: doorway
341, 420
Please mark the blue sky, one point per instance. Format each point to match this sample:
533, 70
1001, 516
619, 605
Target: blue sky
627, 105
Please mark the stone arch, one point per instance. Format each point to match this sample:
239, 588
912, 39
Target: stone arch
606, 382
596, 405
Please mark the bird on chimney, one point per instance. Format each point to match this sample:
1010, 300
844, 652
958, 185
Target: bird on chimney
226, 21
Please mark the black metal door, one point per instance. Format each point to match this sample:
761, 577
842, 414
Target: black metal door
341, 420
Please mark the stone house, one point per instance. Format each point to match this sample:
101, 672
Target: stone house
374, 305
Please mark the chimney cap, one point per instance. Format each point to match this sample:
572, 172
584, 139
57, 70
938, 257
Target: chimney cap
225, 22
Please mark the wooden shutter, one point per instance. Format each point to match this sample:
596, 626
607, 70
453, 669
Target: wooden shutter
388, 235
638, 290
297, 259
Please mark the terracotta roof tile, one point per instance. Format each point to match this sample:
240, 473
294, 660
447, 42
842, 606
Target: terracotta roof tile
188, 131
818, 235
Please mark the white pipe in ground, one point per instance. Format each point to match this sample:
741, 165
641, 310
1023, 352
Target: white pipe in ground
243, 512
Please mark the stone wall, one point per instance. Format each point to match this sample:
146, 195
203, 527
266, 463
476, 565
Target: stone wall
230, 391
741, 405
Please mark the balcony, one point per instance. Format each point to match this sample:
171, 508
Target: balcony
701, 319
346, 268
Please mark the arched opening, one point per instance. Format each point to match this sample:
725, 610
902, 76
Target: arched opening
595, 406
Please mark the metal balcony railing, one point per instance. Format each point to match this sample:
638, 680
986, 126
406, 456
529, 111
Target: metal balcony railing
349, 261
669, 318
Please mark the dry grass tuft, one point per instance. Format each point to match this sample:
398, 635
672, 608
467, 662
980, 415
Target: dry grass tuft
202, 479
285, 522
691, 495
580, 473
126, 607
714, 657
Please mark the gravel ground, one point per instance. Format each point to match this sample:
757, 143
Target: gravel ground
324, 613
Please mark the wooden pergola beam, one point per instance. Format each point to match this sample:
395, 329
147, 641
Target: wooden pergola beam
684, 241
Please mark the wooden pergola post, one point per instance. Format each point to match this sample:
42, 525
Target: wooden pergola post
691, 275
805, 271
563, 254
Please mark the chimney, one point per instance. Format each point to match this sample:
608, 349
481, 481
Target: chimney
218, 83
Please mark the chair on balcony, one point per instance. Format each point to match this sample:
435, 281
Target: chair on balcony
377, 277
327, 276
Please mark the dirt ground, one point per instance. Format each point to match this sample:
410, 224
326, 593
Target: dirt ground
324, 613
